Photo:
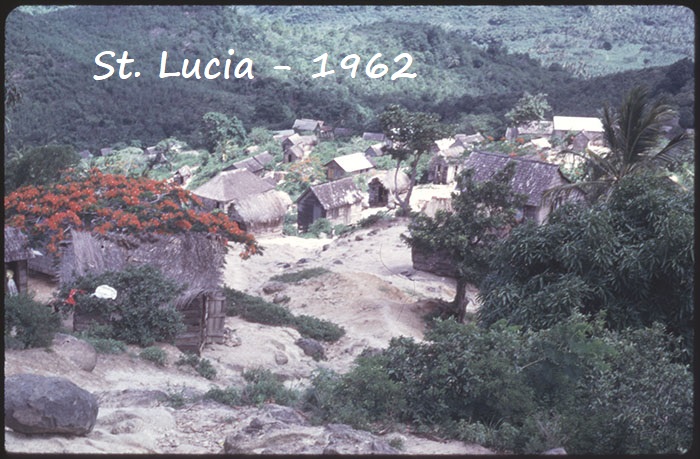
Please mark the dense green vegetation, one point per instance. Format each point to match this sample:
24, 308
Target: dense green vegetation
470, 77
28, 323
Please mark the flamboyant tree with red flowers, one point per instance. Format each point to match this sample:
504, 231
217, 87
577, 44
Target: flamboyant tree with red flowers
102, 203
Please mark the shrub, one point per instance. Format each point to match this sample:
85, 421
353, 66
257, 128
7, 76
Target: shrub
339, 230
318, 329
105, 345
255, 309
229, 396
202, 366
299, 276
264, 387
141, 314
321, 225
29, 323
372, 219
154, 354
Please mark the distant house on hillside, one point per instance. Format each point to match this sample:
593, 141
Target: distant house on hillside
530, 130
445, 165
385, 185
16, 254
182, 175
255, 164
375, 150
306, 125
341, 132
532, 178
279, 136
442, 144
342, 166
467, 141
105, 151
339, 201
296, 147
374, 136
583, 129
248, 200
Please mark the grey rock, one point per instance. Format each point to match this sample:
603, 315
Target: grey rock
311, 347
302, 261
273, 287
337, 262
281, 358
78, 351
42, 404
280, 298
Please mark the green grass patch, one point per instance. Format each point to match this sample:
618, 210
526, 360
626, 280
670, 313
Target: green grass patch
298, 276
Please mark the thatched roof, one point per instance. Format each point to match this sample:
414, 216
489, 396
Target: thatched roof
391, 181
332, 195
192, 259
531, 177
16, 245
352, 163
233, 185
263, 209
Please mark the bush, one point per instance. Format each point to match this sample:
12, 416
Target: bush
318, 329
321, 225
372, 219
229, 396
29, 323
105, 345
202, 366
298, 276
264, 387
155, 355
141, 314
255, 309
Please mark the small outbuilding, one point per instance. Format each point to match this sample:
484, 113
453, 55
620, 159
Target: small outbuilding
339, 201
247, 199
16, 255
385, 186
445, 165
343, 166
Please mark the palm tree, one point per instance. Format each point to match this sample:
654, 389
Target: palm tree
632, 133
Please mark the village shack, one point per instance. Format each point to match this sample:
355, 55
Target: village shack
530, 130
306, 125
532, 178
346, 165
194, 260
247, 199
445, 165
385, 186
17, 253
581, 129
255, 164
339, 201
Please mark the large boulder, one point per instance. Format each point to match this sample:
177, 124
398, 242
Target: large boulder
48, 405
311, 347
78, 351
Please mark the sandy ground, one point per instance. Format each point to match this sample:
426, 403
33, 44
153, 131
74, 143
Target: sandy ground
371, 290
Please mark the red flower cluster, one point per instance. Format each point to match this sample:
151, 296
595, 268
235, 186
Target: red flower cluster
104, 202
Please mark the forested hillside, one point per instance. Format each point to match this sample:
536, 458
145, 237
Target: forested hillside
470, 66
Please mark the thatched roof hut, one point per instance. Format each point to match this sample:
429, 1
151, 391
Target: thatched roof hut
248, 200
385, 185
16, 254
195, 260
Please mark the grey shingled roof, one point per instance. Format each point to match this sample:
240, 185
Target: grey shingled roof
531, 178
338, 193
233, 186
305, 124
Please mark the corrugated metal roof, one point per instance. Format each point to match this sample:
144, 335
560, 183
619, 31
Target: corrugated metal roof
306, 124
352, 163
577, 123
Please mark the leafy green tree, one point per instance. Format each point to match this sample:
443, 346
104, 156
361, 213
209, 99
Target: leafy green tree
221, 132
529, 108
412, 135
630, 258
39, 166
482, 212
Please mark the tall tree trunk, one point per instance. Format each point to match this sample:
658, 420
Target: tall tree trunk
459, 304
